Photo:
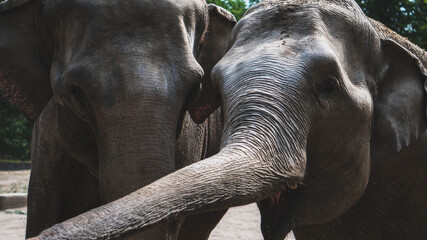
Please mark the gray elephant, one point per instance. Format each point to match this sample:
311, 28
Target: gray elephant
109, 83
324, 126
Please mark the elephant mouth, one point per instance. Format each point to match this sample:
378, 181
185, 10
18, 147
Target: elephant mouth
278, 199
277, 211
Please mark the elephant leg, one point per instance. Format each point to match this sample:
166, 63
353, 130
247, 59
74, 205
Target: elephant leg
44, 191
60, 187
59, 192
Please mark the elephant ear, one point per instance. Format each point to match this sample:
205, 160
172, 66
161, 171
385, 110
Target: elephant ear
400, 107
221, 23
24, 64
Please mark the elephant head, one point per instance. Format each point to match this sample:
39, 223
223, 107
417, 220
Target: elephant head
311, 95
123, 74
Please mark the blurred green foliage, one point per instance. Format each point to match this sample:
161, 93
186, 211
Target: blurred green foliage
15, 133
236, 7
408, 18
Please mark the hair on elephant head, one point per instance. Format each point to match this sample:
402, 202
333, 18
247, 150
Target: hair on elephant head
119, 77
313, 93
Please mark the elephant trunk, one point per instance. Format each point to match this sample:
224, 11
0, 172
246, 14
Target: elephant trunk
237, 175
133, 157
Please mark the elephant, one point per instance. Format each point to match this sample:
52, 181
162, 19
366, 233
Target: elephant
111, 86
324, 127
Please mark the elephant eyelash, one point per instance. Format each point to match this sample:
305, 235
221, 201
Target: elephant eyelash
329, 83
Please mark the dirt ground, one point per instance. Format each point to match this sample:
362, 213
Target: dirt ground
239, 223
12, 221
14, 181
12, 224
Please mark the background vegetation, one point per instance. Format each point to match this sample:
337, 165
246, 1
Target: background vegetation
15, 133
408, 18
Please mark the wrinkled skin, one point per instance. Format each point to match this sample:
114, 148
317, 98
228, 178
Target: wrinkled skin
319, 102
109, 83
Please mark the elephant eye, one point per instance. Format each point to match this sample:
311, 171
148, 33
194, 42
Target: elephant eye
329, 83
79, 101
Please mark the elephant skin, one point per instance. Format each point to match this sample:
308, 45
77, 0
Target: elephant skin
324, 126
109, 84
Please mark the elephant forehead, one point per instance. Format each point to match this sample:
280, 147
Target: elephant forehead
128, 36
299, 16
290, 5
155, 8
107, 19
111, 28
290, 28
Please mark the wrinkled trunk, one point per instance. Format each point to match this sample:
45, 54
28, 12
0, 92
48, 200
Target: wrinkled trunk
237, 175
136, 147
133, 157
225, 180
136, 132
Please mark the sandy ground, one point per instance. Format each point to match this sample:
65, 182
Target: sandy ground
14, 181
12, 221
12, 224
239, 222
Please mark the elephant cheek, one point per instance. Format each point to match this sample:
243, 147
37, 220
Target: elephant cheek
330, 193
